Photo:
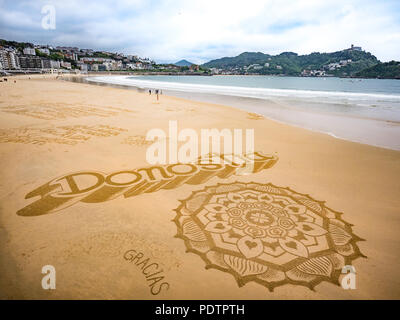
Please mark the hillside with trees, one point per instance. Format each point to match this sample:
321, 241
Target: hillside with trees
387, 70
340, 63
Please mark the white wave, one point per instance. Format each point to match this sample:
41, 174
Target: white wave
241, 91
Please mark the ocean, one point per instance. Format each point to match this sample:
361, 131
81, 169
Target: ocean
360, 110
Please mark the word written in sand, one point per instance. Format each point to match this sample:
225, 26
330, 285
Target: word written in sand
266, 234
70, 135
61, 111
152, 271
95, 187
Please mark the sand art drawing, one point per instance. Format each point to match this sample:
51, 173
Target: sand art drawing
70, 135
96, 187
266, 234
137, 140
61, 111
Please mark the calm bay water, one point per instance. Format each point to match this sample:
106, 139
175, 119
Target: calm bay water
329, 84
362, 110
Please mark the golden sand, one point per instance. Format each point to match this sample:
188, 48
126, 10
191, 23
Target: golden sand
163, 244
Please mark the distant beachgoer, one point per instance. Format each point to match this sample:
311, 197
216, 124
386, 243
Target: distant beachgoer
157, 93
149, 92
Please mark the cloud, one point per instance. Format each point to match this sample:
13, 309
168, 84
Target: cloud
201, 30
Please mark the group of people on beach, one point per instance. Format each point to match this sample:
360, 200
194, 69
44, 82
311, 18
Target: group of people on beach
156, 92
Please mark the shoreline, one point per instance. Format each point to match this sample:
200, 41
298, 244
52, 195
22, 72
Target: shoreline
75, 128
130, 72
359, 129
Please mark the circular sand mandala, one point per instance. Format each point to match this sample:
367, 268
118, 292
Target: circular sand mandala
267, 234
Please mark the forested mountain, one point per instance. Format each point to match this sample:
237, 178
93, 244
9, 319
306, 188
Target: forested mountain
387, 70
340, 63
183, 63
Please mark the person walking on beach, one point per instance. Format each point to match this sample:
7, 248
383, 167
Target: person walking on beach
149, 92
157, 93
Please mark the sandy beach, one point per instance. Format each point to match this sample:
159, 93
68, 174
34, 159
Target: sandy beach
150, 243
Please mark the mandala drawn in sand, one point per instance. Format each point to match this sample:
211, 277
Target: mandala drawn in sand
266, 234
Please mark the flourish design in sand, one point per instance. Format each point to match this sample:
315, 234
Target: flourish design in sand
266, 234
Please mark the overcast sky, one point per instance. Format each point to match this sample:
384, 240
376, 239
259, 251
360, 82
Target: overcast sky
170, 30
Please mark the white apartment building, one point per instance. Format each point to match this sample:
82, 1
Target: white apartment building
54, 64
4, 59
99, 60
9, 60
30, 51
14, 61
44, 50
65, 64
84, 67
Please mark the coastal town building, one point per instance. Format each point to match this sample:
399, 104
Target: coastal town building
313, 73
71, 49
4, 59
13, 60
44, 50
44, 58
88, 52
46, 64
93, 67
9, 59
71, 56
29, 51
65, 64
83, 67
30, 62
54, 64
355, 48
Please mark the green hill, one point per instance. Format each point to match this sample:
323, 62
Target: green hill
15, 44
183, 63
387, 70
290, 63
241, 60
